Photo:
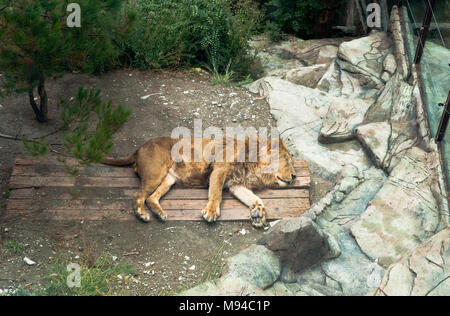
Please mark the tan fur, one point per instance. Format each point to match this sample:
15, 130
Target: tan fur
159, 172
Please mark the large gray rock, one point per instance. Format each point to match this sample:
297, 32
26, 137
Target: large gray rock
248, 274
341, 80
327, 54
299, 112
342, 118
367, 53
305, 76
390, 64
424, 272
384, 140
404, 213
228, 285
352, 273
357, 72
351, 198
391, 127
299, 243
256, 265
397, 93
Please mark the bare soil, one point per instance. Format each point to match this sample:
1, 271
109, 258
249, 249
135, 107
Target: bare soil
166, 258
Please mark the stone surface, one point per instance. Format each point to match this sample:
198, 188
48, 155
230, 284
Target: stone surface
305, 76
401, 56
279, 57
357, 71
298, 242
383, 141
299, 112
375, 138
391, 127
256, 265
404, 213
389, 64
385, 76
248, 273
352, 273
225, 286
339, 82
326, 54
424, 272
367, 53
342, 118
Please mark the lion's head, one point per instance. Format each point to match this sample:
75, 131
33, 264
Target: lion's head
286, 173
278, 166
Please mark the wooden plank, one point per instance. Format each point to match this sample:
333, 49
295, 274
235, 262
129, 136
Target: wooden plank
104, 204
38, 168
19, 182
65, 193
173, 215
61, 171
46, 191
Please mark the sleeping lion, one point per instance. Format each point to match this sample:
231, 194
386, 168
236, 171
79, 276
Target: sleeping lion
228, 164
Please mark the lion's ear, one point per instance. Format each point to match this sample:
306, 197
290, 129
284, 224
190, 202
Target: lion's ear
273, 143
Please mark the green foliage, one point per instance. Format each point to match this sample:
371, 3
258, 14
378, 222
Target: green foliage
227, 78
36, 43
90, 124
96, 278
22, 292
170, 33
296, 17
35, 148
15, 247
6, 193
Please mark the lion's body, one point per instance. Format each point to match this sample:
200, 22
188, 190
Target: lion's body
159, 170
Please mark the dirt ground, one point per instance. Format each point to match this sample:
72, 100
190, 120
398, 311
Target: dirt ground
165, 258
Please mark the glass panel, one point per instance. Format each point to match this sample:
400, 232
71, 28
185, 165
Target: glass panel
435, 69
414, 13
435, 62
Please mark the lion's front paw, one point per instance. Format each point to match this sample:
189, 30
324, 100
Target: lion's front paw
258, 215
210, 214
143, 215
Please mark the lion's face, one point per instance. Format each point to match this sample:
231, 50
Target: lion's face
286, 172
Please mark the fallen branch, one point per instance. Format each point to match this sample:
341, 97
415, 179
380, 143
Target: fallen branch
131, 253
9, 137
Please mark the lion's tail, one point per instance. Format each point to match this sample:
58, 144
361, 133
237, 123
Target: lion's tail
123, 161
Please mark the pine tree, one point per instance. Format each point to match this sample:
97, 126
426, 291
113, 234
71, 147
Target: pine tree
37, 44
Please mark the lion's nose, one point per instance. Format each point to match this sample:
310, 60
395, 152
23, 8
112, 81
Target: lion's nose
294, 176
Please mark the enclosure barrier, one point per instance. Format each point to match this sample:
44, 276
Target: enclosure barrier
427, 34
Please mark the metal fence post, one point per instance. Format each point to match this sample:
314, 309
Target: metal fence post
444, 120
424, 31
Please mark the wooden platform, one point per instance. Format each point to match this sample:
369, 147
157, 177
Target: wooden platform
43, 189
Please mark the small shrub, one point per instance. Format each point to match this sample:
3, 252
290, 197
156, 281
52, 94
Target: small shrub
90, 124
15, 247
172, 33
97, 278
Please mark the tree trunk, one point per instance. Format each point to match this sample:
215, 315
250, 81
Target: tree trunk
40, 111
